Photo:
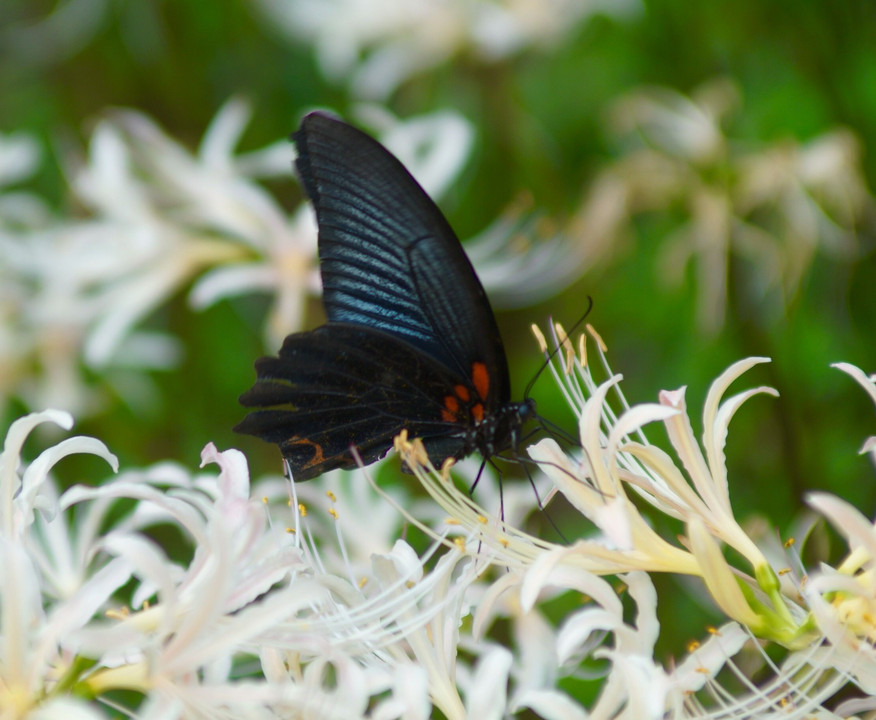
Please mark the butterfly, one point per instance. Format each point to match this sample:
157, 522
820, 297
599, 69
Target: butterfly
410, 340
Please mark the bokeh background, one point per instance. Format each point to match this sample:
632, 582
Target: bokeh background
702, 171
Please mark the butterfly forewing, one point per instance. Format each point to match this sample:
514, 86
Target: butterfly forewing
388, 257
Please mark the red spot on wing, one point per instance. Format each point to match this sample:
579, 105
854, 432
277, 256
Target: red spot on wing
449, 413
480, 378
462, 393
477, 412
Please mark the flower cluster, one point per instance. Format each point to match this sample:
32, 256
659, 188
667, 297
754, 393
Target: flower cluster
159, 218
290, 599
823, 620
376, 47
772, 205
248, 619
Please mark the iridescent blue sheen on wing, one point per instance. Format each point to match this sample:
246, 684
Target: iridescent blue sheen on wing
388, 257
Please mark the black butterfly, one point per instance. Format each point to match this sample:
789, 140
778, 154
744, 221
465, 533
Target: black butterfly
410, 343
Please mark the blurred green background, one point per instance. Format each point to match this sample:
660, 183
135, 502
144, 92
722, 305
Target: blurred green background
546, 119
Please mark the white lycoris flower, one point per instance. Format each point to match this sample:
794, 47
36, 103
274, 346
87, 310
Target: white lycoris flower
823, 624
240, 616
540, 654
811, 196
773, 204
75, 291
19, 157
843, 599
433, 147
190, 212
379, 45
33, 632
77, 288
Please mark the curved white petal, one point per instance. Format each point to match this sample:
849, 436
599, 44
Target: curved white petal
550, 705
847, 520
487, 696
865, 381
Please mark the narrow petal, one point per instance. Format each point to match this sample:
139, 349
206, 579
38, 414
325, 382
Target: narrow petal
865, 381
686, 447
704, 662
224, 131
848, 521
551, 705
719, 577
487, 696
715, 439
38, 471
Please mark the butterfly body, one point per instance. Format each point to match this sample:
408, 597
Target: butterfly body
410, 343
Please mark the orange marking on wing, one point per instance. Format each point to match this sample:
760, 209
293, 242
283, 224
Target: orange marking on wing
480, 379
450, 409
477, 412
318, 456
462, 393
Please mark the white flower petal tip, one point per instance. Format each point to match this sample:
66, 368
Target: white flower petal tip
234, 469
673, 398
547, 451
868, 382
23, 426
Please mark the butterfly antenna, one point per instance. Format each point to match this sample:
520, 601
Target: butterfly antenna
552, 429
550, 356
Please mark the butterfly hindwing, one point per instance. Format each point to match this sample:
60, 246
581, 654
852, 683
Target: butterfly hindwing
388, 257
344, 385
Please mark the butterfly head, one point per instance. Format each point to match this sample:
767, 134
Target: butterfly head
503, 428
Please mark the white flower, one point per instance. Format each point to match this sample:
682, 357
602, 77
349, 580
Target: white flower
254, 613
33, 632
379, 45
183, 213
775, 204
597, 484
243, 619
433, 147
824, 621
19, 157
843, 599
